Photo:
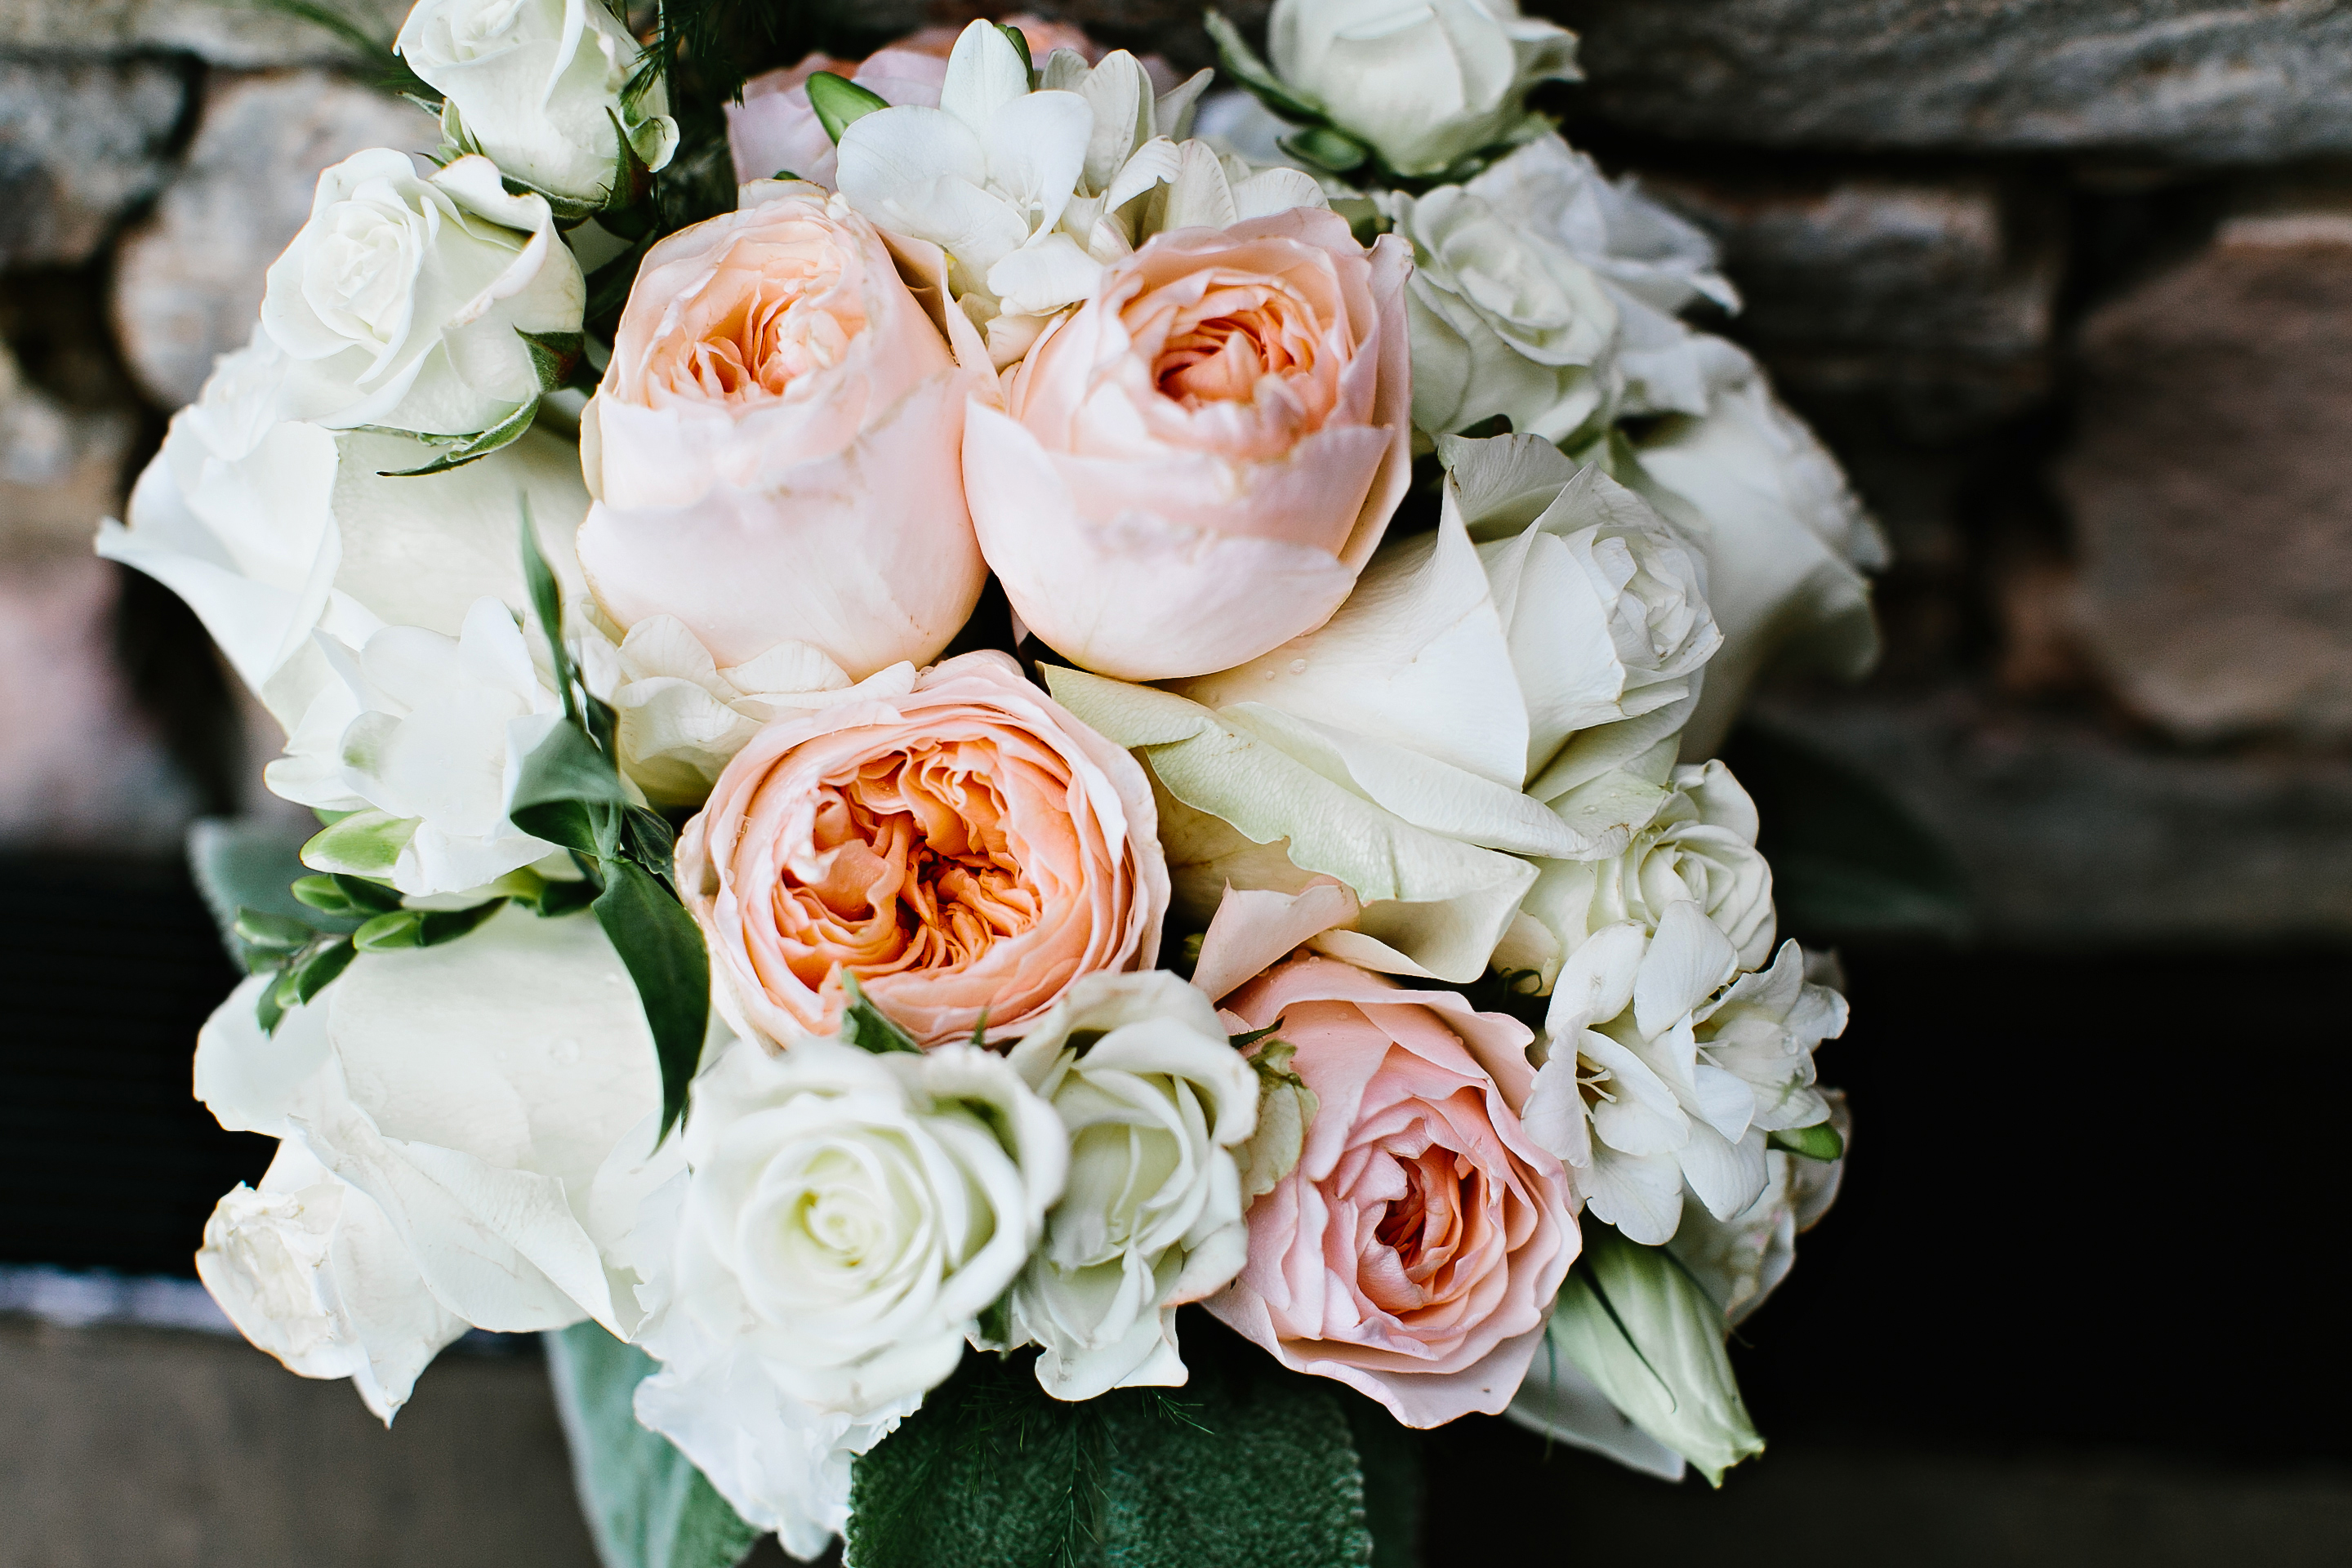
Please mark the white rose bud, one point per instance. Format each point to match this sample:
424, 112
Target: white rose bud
1503, 322
1156, 1099
408, 302
1425, 85
538, 85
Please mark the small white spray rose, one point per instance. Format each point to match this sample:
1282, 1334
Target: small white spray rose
1425, 84
539, 86
431, 731
1155, 1101
404, 300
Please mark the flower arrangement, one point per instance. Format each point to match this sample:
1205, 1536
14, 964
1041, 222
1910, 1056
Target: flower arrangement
965, 698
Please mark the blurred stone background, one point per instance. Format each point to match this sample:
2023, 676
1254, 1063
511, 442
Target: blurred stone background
2067, 284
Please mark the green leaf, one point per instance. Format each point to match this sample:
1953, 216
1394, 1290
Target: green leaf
1848, 860
547, 603
1247, 1464
1632, 1318
389, 932
465, 449
240, 864
840, 103
648, 839
553, 355
866, 1026
662, 948
364, 844
269, 1011
1243, 64
448, 925
314, 973
647, 1506
1328, 148
271, 933
1020, 42
1819, 1142
566, 790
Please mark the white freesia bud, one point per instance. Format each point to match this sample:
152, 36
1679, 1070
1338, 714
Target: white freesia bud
1425, 85
404, 300
468, 1139
1699, 846
272, 529
1504, 322
432, 730
849, 1218
1786, 538
1155, 1100
1668, 1068
1505, 689
538, 85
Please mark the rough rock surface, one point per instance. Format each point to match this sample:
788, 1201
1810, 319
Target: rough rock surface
222, 32
188, 280
2211, 483
1940, 294
2203, 80
60, 469
81, 144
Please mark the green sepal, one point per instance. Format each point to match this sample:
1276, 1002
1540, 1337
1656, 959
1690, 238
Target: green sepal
1633, 1320
391, 931
554, 356
266, 932
1020, 42
345, 897
1819, 1142
464, 449
364, 844
662, 949
314, 973
269, 1011
866, 1026
1327, 147
840, 103
1244, 66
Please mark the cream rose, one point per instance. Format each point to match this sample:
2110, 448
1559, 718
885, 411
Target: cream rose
1414, 1250
1155, 1101
773, 448
404, 300
954, 840
539, 85
1192, 469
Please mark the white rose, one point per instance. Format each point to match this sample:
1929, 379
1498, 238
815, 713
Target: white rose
1667, 1068
538, 86
1787, 542
1504, 322
468, 1139
273, 530
1509, 686
1425, 85
432, 733
1156, 1099
403, 301
849, 1218
1700, 846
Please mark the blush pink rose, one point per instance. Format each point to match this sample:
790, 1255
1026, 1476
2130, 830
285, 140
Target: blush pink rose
774, 129
954, 840
775, 450
1191, 467
1414, 1251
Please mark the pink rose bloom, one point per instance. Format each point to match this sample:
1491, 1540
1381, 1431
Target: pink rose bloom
954, 840
1191, 467
774, 450
773, 129
1414, 1251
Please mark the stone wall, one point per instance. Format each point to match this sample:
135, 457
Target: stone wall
2067, 284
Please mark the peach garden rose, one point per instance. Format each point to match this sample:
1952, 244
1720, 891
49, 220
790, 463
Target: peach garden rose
1193, 467
1414, 1250
773, 448
953, 840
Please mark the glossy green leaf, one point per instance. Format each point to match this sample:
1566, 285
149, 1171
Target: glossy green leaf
662, 948
646, 1505
568, 793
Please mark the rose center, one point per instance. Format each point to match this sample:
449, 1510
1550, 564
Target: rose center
1219, 350
771, 314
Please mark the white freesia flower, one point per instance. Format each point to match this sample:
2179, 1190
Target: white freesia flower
468, 1137
538, 86
1503, 322
849, 1218
1424, 84
432, 730
1507, 686
1741, 1260
1786, 538
272, 529
1700, 846
1667, 1066
403, 301
1155, 1100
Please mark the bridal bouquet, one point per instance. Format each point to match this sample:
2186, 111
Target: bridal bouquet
1016, 778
